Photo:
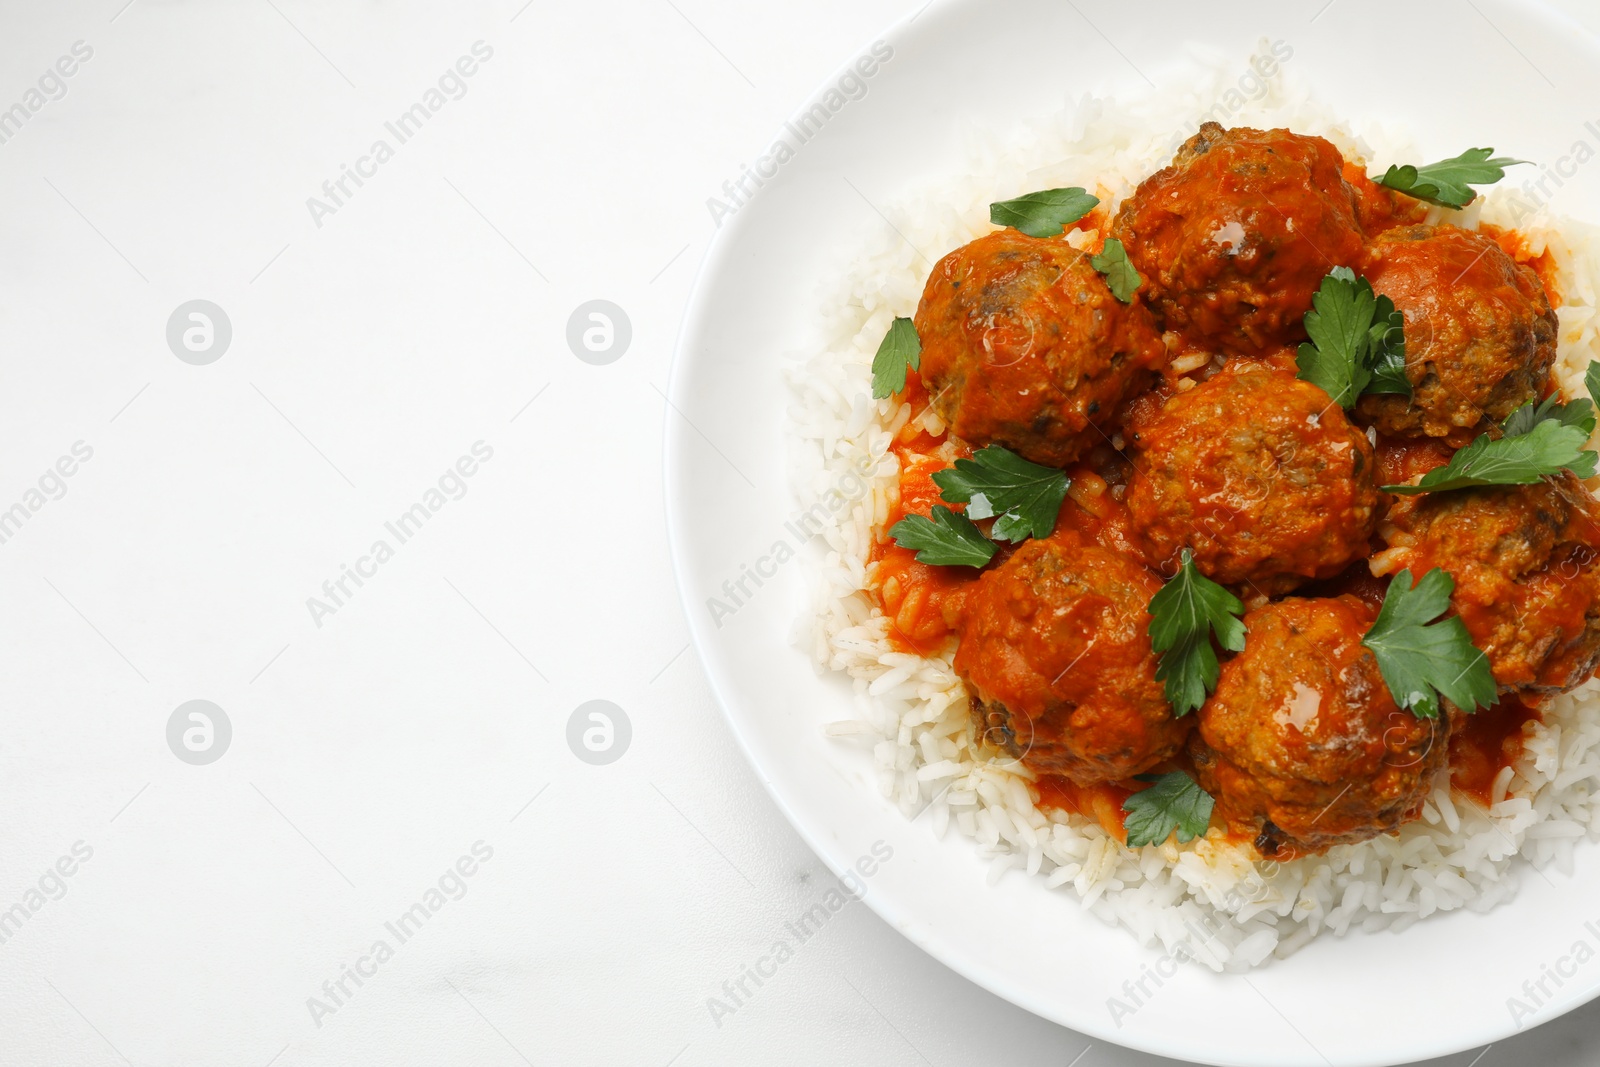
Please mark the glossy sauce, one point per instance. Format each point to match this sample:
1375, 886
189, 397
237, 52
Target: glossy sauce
1485, 743
1401, 459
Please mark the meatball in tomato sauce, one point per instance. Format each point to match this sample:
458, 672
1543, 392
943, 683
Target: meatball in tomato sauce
1526, 563
1480, 332
1237, 234
1302, 745
1055, 650
1023, 345
1260, 475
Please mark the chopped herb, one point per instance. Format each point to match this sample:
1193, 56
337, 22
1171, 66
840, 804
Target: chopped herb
901, 349
1120, 274
1448, 182
1420, 662
997, 482
1579, 413
947, 539
1544, 449
1044, 214
1174, 803
1183, 616
1358, 340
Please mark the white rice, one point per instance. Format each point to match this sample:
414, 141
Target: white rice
1210, 899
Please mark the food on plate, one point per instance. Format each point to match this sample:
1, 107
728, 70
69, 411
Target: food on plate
1258, 475
1480, 332
1241, 469
1055, 643
1229, 549
1526, 564
1237, 233
1024, 345
1302, 744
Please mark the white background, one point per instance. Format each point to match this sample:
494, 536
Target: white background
428, 313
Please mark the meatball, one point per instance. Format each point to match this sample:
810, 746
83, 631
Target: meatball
1024, 345
1055, 649
1302, 745
1237, 234
1259, 474
1524, 558
1480, 333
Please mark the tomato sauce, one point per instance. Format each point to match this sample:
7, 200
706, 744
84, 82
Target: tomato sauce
1097, 222
1485, 743
1102, 802
1544, 264
1400, 459
922, 603
1379, 208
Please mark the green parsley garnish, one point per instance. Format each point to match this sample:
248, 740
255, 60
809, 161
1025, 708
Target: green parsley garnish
1448, 182
1044, 214
1544, 449
998, 482
1420, 662
1579, 413
901, 349
1183, 616
947, 539
1387, 353
1358, 342
1120, 274
1174, 803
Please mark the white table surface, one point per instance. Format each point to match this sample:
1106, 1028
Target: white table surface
375, 745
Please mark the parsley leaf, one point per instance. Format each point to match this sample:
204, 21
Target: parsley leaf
901, 348
947, 539
995, 481
1578, 413
1174, 803
1183, 616
1045, 213
1591, 379
1120, 274
1421, 662
1447, 183
1521, 460
1387, 348
1340, 325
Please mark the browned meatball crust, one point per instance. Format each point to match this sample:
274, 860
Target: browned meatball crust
1260, 475
1237, 234
1055, 649
1480, 333
1301, 744
1024, 345
1524, 558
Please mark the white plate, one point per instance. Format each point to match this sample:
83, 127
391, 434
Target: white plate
1493, 72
